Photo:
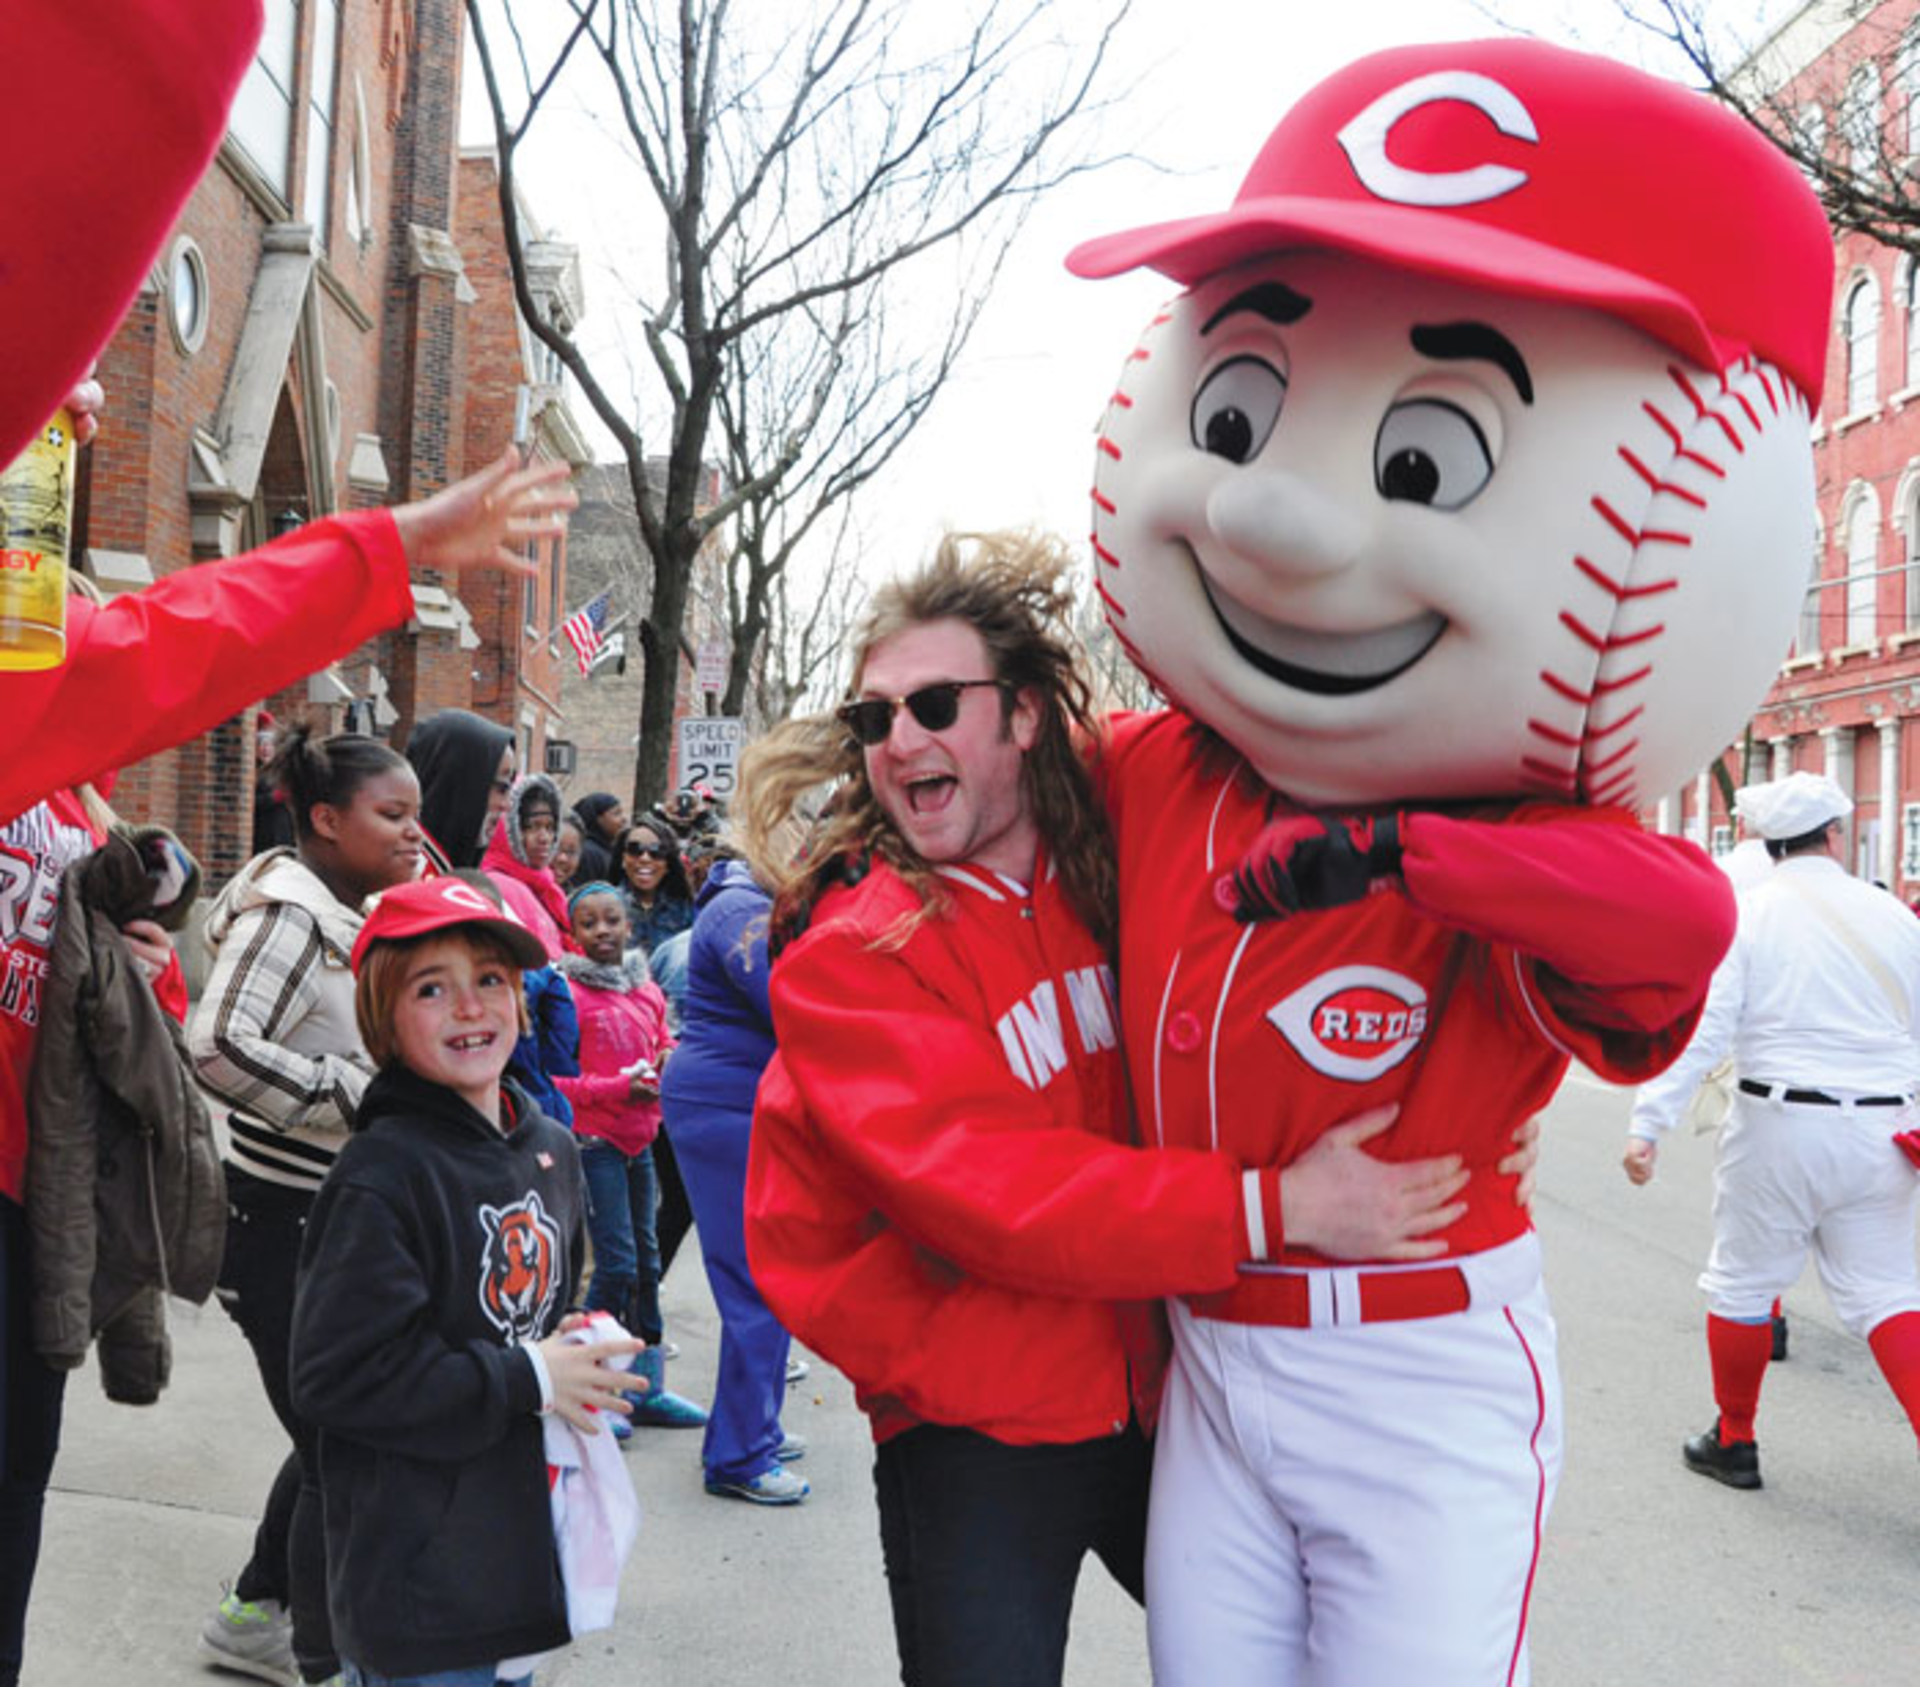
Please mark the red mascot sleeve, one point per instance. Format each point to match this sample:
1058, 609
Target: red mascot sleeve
112, 114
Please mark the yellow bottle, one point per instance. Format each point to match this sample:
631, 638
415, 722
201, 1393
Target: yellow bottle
36, 515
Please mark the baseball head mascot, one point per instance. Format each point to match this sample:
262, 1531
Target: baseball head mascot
1461, 502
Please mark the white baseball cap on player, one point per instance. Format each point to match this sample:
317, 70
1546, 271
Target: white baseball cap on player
1791, 807
1505, 164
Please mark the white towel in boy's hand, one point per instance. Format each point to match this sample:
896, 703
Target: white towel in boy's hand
596, 1514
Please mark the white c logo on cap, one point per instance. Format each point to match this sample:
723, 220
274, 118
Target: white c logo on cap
1365, 141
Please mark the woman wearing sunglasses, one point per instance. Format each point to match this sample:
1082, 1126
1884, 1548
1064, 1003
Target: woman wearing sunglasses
654, 879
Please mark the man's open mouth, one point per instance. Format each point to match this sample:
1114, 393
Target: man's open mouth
1327, 664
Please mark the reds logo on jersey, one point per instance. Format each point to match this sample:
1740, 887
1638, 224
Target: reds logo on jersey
519, 1267
1353, 1023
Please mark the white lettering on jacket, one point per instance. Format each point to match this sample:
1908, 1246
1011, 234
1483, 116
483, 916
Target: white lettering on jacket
1032, 1034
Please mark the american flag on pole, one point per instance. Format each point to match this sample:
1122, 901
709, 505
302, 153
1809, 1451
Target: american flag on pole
585, 628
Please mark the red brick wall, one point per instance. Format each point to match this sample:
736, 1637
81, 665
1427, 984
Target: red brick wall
393, 357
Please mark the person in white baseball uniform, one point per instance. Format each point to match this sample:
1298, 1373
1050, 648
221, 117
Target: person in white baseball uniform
1818, 1002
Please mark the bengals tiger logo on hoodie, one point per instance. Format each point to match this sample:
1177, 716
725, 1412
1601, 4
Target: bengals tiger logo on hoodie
519, 1267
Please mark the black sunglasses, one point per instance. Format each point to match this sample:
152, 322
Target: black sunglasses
655, 850
935, 707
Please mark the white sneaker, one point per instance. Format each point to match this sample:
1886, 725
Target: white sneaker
251, 1637
778, 1486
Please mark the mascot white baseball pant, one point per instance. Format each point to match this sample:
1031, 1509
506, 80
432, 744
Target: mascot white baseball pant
1357, 1505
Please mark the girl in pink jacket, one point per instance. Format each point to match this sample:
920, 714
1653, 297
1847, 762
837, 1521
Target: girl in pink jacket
624, 1041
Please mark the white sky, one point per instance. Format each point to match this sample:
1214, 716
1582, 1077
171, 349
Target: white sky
1010, 441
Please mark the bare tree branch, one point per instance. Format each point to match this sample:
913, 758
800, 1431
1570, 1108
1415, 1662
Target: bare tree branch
803, 183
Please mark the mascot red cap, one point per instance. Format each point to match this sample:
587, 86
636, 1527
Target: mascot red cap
1541, 172
112, 114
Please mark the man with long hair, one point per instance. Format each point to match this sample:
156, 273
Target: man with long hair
943, 1196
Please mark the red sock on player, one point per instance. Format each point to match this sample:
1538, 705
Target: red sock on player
1739, 1354
1896, 1345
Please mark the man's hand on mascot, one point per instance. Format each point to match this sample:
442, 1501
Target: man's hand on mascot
1523, 1162
1340, 1201
1638, 1161
1305, 862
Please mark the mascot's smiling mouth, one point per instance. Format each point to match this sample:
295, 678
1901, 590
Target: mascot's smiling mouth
1341, 663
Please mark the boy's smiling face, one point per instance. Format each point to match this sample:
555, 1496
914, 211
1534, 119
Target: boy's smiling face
457, 1018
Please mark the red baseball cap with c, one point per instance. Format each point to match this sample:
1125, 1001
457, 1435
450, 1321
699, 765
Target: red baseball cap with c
1537, 171
429, 905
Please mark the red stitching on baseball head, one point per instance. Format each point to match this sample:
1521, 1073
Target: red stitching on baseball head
1620, 593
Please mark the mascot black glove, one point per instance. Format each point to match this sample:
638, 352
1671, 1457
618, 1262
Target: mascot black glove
1304, 862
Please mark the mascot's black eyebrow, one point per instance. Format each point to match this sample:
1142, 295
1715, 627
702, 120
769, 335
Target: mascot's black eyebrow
1474, 339
1274, 300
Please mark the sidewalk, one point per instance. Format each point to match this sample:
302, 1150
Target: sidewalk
153, 1509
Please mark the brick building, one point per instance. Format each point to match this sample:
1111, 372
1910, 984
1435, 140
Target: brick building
515, 389
1846, 701
302, 347
602, 708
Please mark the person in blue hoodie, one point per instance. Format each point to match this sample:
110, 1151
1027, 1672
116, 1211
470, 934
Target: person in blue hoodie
726, 1040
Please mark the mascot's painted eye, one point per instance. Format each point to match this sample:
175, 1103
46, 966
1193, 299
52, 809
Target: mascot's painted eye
1430, 452
1236, 407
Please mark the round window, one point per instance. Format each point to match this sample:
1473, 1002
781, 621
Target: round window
187, 295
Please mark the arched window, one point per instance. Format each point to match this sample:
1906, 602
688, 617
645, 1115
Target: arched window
1861, 121
1863, 334
1863, 552
1910, 310
1910, 590
1808, 643
1907, 77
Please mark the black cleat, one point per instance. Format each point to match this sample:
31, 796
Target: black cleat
1737, 1463
1779, 1337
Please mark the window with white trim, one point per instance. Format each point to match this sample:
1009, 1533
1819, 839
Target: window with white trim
262, 119
1808, 643
1906, 76
322, 86
1863, 335
1860, 121
1910, 840
1911, 587
1863, 548
1910, 314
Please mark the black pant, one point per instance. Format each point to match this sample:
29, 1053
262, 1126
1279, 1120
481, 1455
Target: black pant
265, 1222
674, 1216
31, 1395
983, 1544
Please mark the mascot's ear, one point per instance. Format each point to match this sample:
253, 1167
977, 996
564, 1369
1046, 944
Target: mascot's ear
105, 132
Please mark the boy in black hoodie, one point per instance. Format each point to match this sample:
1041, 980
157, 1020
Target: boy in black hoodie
440, 1257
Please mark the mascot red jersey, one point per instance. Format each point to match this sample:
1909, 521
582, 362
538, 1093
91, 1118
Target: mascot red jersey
1462, 501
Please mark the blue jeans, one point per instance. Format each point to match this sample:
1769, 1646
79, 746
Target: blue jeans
626, 1249
474, 1675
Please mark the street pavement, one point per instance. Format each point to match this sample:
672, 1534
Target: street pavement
1650, 1575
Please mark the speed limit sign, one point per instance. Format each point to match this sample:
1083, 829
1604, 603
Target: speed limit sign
710, 751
